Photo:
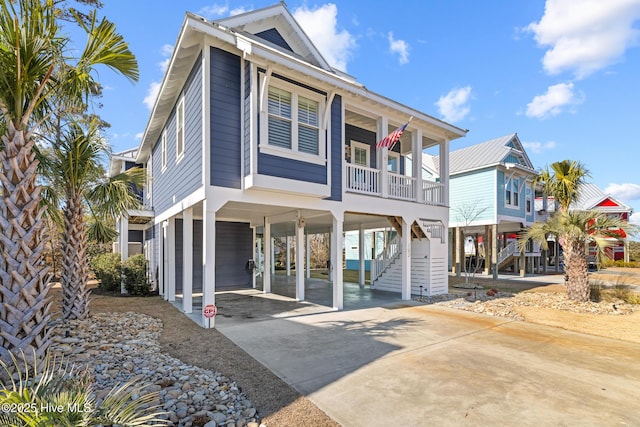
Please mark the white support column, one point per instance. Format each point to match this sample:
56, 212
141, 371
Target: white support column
406, 260
416, 163
160, 238
494, 251
288, 244
272, 270
171, 259
124, 246
382, 157
307, 253
208, 262
255, 258
361, 256
268, 257
299, 259
444, 170
187, 260
336, 261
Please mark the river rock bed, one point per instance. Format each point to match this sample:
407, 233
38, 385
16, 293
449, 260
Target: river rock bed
119, 347
503, 304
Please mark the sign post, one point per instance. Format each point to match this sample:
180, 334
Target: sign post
209, 311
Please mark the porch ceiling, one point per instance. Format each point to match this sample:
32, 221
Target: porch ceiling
283, 218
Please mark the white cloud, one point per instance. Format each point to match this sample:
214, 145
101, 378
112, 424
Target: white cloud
237, 11
213, 11
626, 191
152, 94
139, 136
166, 51
584, 36
454, 106
400, 47
320, 24
554, 101
635, 218
539, 147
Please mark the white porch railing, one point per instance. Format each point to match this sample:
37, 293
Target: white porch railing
401, 186
366, 180
384, 258
508, 251
362, 179
432, 193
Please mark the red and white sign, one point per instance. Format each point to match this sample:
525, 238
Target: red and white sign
209, 311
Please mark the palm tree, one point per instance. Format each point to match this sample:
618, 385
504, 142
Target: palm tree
74, 167
578, 229
33, 49
563, 181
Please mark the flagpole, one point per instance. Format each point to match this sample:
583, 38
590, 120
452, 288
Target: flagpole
394, 144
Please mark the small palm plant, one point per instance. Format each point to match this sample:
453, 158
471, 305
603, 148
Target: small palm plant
58, 393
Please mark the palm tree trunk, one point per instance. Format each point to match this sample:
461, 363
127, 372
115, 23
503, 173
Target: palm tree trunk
75, 265
24, 277
575, 262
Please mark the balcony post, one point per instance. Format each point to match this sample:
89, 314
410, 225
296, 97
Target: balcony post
444, 170
416, 155
382, 157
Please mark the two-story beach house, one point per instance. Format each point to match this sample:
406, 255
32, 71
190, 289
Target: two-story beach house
492, 194
254, 135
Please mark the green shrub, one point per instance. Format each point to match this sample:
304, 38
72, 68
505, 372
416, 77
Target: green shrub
136, 281
108, 270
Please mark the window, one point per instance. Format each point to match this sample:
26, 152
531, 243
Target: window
359, 153
293, 127
164, 150
528, 206
512, 193
180, 130
393, 162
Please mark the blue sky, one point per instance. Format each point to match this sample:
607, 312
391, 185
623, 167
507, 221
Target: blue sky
563, 74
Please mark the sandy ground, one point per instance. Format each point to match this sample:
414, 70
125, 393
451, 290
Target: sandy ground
279, 404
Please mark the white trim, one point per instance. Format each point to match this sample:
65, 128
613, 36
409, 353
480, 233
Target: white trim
180, 129
206, 108
393, 154
296, 91
193, 198
356, 144
290, 186
163, 148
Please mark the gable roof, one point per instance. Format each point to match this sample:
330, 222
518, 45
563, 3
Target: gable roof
590, 196
504, 151
275, 25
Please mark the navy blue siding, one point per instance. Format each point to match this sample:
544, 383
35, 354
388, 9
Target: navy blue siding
180, 179
247, 118
291, 169
226, 154
234, 247
272, 35
335, 146
364, 136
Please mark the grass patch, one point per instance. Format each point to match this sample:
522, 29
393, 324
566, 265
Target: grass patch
620, 291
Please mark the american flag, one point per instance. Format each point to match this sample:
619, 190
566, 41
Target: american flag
392, 138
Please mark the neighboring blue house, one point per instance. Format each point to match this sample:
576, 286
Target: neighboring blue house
255, 136
492, 197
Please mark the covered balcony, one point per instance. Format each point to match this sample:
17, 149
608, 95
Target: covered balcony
391, 173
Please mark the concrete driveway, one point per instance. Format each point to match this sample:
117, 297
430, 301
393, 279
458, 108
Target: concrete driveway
411, 364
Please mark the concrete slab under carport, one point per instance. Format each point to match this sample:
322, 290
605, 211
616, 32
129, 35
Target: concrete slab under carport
413, 364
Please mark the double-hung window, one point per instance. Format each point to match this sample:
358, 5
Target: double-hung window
293, 123
512, 193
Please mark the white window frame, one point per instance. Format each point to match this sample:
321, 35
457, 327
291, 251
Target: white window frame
362, 146
148, 179
180, 120
163, 148
397, 157
508, 188
293, 153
